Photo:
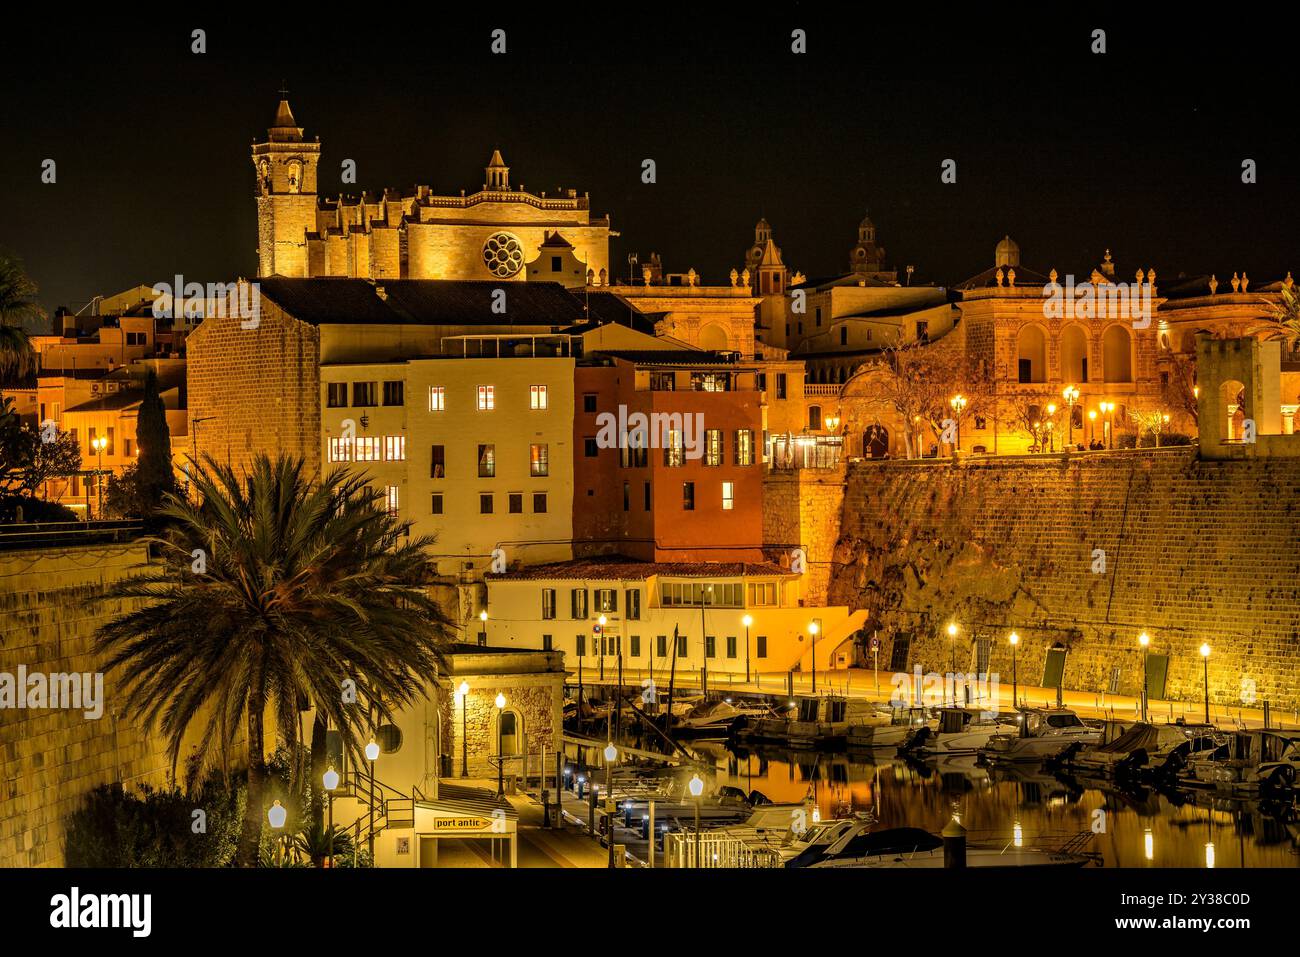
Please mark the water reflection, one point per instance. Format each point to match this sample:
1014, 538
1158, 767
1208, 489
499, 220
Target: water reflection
1139, 827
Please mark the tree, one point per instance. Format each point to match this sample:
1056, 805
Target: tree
1027, 412
919, 381
273, 592
1180, 390
17, 305
154, 475
30, 456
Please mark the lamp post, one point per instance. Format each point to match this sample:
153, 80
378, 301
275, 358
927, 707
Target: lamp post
600, 644
1051, 421
611, 755
696, 788
277, 816
1108, 410
482, 631
1092, 426
463, 693
1071, 396
952, 668
747, 621
501, 776
1205, 659
958, 403
372, 755
1144, 639
1015, 689
331, 782
99, 444
813, 628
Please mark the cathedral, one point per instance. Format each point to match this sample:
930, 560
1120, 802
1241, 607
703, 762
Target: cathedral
500, 232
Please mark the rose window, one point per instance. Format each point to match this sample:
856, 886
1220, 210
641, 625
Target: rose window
503, 255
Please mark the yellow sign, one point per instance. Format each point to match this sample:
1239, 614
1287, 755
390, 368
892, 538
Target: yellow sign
463, 824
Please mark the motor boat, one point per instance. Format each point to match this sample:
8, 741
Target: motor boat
1042, 733
816, 722
867, 737
715, 719
960, 731
1147, 750
912, 847
1248, 763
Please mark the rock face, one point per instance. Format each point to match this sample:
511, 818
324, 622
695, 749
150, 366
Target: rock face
1082, 556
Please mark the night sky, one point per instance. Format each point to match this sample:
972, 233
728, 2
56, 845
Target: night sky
1138, 150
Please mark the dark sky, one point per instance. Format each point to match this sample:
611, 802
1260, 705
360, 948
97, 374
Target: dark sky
1139, 149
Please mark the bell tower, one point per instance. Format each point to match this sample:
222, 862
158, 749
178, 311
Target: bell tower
285, 168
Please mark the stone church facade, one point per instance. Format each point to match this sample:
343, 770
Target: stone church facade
494, 233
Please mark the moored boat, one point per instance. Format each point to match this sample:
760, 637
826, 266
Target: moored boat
1041, 733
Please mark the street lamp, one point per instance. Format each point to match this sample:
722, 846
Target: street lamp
1108, 410
697, 788
482, 632
958, 403
99, 444
1051, 419
372, 755
813, 628
1071, 395
277, 816
331, 782
1205, 659
747, 621
501, 778
600, 644
1015, 690
463, 693
1144, 639
611, 755
1092, 426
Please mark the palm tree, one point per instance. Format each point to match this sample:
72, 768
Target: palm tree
17, 304
273, 592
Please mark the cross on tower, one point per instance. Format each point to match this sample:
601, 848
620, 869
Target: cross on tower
284, 93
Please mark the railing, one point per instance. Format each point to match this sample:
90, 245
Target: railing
715, 851
67, 533
822, 389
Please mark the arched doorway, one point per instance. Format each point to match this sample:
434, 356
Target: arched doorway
1117, 354
1031, 354
1074, 355
1232, 411
875, 442
714, 338
510, 733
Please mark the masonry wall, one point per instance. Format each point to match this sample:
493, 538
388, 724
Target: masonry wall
801, 509
258, 388
1194, 552
52, 757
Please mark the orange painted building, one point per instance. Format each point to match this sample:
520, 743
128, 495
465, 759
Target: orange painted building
687, 484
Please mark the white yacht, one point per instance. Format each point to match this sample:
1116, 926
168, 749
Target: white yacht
1043, 733
912, 847
815, 722
864, 737
960, 731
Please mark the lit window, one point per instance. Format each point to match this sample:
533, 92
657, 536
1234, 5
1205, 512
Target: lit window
394, 448
437, 398
728, 496
487, 397
713, 447
368, 448
392, 500
537, 396
745, 447
539, 460
340, 450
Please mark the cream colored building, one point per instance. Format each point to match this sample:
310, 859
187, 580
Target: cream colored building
559, 607
477, 452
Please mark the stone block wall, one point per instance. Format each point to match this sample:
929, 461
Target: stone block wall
51, 758
1195, 552
801, 509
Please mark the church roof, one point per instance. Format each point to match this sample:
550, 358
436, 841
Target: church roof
496, 162
422, 302
284, 116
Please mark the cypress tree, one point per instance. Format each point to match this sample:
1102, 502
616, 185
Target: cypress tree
154, 471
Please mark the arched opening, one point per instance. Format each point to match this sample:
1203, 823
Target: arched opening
875, 442
714, 338
1074, 355
1031, 353
1232, 414
814, 417
1117, 354
510, 733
